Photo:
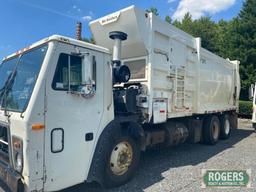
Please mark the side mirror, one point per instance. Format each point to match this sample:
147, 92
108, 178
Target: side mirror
86, 69
251, 91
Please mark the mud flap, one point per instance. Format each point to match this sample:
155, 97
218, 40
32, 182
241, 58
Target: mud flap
234, 120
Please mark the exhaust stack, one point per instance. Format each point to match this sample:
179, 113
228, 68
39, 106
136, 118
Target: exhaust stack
118, 37
121, 73
79, 31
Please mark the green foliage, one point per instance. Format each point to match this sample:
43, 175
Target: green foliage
208, 31
153, 10
186, 24
89, 40
245, 43
203, 27
245, 108
168, 19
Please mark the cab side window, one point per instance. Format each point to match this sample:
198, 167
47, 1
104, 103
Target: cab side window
68, 74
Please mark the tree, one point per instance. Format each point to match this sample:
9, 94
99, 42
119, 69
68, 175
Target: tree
177, 24
89, 40
153, 10
208, 31
203, 27
168, 19
223, 45
187, 23
243, 44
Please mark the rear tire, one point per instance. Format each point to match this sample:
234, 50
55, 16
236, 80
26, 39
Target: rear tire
211, 130
225, 128
123, 156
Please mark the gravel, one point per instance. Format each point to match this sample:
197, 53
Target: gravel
179, 168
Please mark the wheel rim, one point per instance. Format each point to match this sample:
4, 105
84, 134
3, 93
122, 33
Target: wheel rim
227, 127
121, 158
215, 130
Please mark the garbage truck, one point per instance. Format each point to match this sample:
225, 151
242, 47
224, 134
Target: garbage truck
74, 112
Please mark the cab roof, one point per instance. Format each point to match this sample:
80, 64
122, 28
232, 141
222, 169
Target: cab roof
63, 39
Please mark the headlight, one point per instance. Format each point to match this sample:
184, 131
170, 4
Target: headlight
17, 145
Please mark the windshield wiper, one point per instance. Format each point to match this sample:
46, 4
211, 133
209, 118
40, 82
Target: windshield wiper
6, 88
5, 84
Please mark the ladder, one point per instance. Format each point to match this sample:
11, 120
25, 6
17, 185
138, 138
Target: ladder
180, 88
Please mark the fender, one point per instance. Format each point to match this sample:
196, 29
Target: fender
115, 127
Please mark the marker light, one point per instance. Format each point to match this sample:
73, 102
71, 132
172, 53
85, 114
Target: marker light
37, 126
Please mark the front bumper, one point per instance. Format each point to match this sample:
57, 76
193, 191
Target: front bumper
11, 178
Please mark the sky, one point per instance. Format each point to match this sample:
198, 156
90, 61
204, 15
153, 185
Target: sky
24, 22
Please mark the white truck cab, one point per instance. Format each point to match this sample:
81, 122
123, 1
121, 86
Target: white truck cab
73, 112
45, 91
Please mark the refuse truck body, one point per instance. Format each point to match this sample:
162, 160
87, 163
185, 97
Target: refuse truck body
74, 112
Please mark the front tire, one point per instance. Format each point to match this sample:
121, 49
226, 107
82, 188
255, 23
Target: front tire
225, 128
211, 130
123, 157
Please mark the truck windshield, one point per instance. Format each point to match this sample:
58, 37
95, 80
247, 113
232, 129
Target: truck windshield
25, 70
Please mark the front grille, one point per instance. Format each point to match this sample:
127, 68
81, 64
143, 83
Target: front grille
4, 148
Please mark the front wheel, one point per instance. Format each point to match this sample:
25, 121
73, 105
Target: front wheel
123, 160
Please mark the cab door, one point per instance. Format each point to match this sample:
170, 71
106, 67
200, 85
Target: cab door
72, 120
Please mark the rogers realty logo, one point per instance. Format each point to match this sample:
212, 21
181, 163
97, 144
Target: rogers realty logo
226, 178
110, 19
